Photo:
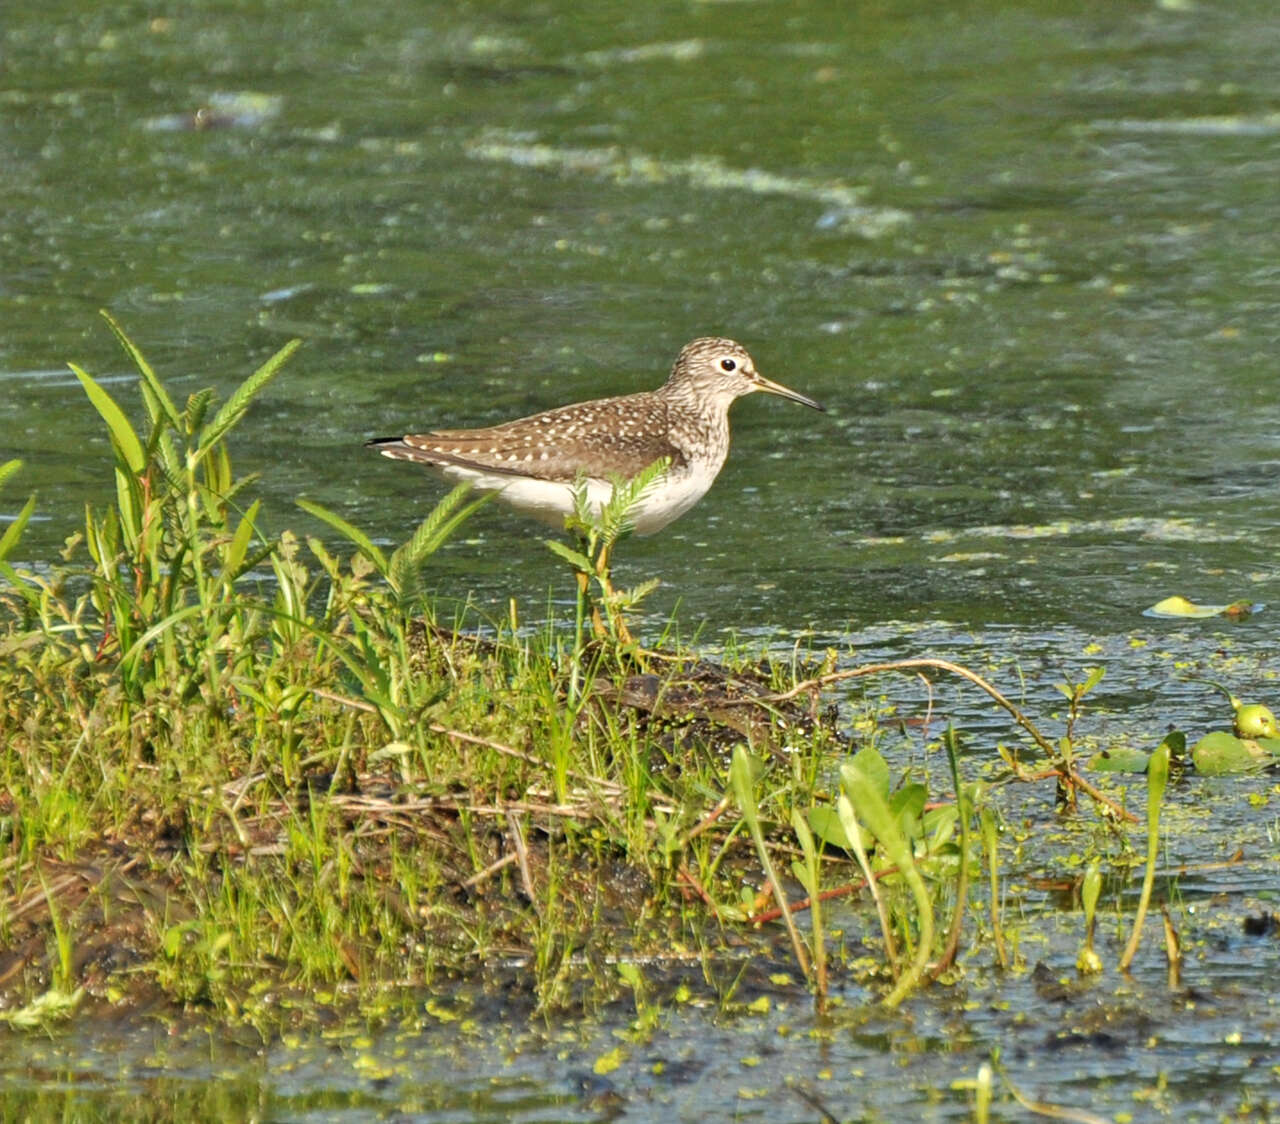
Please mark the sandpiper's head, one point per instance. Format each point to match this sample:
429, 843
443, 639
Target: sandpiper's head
720, 370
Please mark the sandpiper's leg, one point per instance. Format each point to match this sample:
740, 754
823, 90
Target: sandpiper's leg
598, 629
606, 585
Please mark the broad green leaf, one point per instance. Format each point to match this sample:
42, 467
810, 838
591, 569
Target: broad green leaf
122, 434
825, 823
1271, 746
938, 824
907, 806
1119, 759
1220, 753
874, 767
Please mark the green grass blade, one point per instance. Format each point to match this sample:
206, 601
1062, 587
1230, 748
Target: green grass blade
129, 660
741, 782
14, 531
233, 559
122, 434
29, 594
1157, 781
348, 531
8, 469
149, 377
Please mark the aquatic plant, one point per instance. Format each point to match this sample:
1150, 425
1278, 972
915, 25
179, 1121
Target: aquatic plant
596, 534
1157, 781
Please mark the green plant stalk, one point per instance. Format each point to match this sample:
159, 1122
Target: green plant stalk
1074, 693
62, 936
853, 830
1088, 962
740, 781
964, 807
982, 1095
874, 812
809, 866
990, 843
1157, 780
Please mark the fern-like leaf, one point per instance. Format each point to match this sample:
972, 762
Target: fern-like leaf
235, 406
405, 569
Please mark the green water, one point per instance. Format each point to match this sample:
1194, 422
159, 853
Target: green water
1025, 252
1063, 314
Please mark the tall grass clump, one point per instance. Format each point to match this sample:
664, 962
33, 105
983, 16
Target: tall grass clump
232, 754
183, 669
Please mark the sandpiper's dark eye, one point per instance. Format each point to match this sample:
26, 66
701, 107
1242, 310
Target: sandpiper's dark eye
728, 365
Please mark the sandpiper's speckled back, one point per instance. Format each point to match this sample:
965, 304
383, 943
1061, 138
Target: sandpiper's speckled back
533, 462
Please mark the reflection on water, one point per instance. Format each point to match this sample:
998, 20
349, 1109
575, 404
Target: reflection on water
1025, 256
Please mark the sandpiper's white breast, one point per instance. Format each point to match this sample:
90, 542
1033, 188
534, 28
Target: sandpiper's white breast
671, 495
550, 501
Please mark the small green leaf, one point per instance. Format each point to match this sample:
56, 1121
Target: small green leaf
574, 558
1090, 889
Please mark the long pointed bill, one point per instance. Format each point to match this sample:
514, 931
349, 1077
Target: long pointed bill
781, 391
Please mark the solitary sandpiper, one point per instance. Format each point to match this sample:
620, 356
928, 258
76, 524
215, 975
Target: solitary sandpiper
534, 463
